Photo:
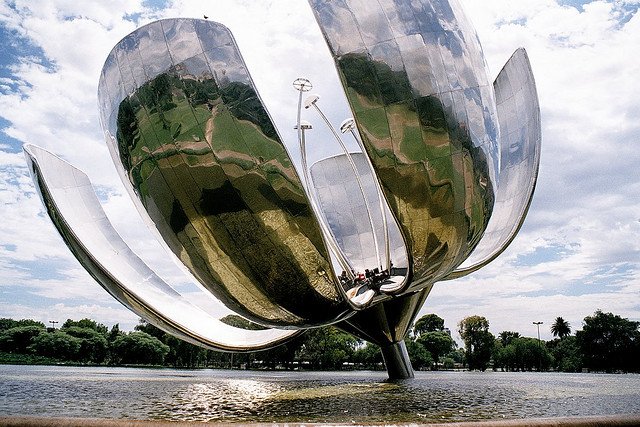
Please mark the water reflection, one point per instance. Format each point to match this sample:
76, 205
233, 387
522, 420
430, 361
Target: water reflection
218, 400
345, 397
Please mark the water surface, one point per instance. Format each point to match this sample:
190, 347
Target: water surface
358, 397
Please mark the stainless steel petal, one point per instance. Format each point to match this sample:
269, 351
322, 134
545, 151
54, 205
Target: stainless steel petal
201, 157
78, 216
346, 212
520, 138
414, 76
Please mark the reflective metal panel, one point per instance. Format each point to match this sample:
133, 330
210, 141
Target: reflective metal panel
414, 76
346, 212
199, 152
76, 212
521, 135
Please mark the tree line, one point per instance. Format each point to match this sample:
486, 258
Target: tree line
606, 342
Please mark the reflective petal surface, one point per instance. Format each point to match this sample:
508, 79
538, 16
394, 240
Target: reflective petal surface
76, 212
520, 138
415, 79
346, 212
194, 143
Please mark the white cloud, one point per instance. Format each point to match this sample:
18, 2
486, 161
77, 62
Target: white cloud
517, 312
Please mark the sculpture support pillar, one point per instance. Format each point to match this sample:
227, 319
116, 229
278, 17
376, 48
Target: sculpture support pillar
396, 359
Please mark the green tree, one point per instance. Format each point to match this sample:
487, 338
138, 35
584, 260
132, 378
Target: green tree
85, 323
419, 356
503, 353
183, 354
114, 333
506, 337
478, 341
560, 328
531, 354
217, 359
327, 348
502, 356
438, 343
148, 328
139, 348
609, 342
458, 356
93, 344
428, 323
448, 363
18, 338
368, 356
6, 323
57, 345
566, 353
111, 336
520, 354
282, 355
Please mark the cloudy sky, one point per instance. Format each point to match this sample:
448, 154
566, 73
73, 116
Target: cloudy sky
578, 251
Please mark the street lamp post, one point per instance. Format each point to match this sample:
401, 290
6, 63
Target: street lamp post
539, 343
53, 323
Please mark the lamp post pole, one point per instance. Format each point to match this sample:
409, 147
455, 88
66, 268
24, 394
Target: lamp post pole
539, 343
349, 125
53, 323
312, 100
303, 85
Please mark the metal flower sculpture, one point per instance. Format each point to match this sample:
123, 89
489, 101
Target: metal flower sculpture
440, 187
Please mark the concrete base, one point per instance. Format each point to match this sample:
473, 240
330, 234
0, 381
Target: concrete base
396, 359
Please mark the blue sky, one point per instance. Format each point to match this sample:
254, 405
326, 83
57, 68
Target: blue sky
578, 251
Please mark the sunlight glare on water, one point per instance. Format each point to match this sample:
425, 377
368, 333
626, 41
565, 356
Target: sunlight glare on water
344, 397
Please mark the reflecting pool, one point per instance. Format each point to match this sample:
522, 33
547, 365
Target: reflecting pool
358, 397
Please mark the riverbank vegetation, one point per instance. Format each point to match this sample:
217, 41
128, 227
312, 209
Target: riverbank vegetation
606, 343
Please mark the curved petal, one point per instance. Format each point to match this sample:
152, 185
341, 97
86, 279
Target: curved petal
76, 212
415, 79
346, 213
200, 156
520, 139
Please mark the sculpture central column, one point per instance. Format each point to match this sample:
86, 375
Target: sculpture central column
396, 359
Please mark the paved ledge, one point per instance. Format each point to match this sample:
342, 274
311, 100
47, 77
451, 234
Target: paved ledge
600, 421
